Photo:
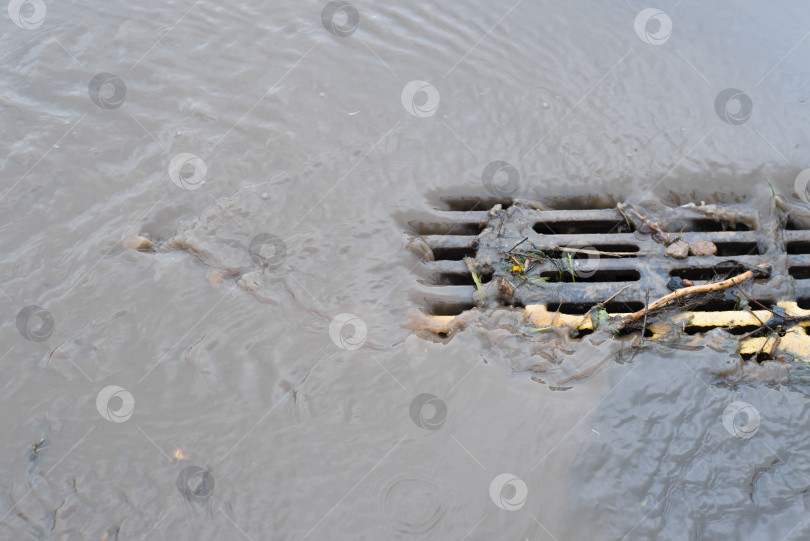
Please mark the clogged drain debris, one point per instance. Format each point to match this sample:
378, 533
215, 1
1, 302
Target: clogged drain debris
666, 270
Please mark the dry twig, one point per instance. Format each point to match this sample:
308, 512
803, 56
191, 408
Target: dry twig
705, 288
646, 304
588, 313
599, 252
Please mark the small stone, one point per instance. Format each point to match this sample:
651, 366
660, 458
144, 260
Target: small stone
675, 283
137, 243
703, 247
506, 288
678, 249
265, 195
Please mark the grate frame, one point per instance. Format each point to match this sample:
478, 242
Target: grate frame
741, 236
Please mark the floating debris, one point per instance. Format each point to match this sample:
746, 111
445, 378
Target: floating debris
139, 242
418, 246
38, 447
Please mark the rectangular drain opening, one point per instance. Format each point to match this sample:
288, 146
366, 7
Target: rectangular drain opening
799, 272
445, 228
466, 279
436, 308
453, 253
613, 307
735, 330
579, 251
730, 305
798, 247
703, 225
467, 204
581, 202
728, 249
570, 227
623, 275
793, 226
703, 274
694, 274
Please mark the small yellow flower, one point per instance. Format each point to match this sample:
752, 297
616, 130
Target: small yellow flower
516, 268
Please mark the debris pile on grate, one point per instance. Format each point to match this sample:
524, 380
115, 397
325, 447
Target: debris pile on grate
665, 269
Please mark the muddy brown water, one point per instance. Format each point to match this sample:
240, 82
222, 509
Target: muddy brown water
196, 392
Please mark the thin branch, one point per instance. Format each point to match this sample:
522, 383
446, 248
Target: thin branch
786, 317
762, 324
599, 252
616, 294
587, 314
705, 288
516, 245
645, 221
646, 304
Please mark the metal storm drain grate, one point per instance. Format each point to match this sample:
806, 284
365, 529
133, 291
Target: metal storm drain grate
667, 270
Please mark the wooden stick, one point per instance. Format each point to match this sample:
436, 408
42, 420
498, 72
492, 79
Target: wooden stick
705, 288
646, 222
752, 333
599, 252
616, 294
646, 303
786, 317
588, 313
762, 324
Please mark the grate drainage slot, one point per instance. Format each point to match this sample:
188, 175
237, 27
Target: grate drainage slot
443, 228
736, 330
455, 279
451, 247
448, 308
453, 253
571, 227
703, 225
729, 305
800, 273
580, 251
799, 247
466, 204
624, 275
580, 309
700, 274
793, 226
728, 249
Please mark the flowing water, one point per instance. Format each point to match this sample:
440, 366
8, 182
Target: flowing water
194, 391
